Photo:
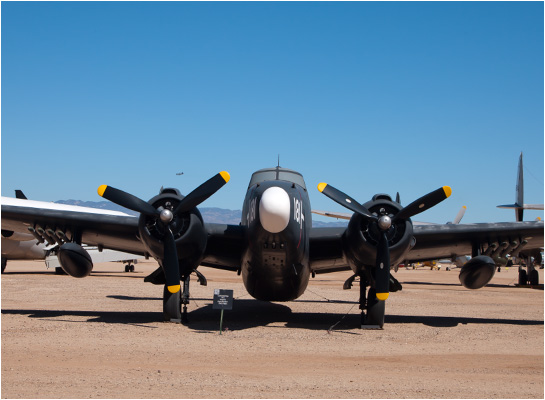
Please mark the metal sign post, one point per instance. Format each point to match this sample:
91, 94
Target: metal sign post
223, 300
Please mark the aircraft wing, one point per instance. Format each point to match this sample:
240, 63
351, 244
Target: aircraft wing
226, 243
432, 241
114, 230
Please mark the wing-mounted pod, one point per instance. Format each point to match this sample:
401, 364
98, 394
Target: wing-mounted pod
75, 260
362, 235
477, 272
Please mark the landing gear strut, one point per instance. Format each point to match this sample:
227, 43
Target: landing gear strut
172, 303
372, 309
185, 298
530, 276
171, 306
129, 267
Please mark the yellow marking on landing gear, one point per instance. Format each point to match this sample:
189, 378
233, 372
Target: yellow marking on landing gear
382, 296
173, 288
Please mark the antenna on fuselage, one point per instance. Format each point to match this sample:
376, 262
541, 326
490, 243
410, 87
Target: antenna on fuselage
278, 165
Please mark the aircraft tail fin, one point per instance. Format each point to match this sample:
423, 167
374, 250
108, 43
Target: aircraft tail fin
20, 195
519, 205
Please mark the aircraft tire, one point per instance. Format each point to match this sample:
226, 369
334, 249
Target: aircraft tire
172, 306
523, 277
376, 310
533, 278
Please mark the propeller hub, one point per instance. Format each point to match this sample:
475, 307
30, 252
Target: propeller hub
166, 216
384, 222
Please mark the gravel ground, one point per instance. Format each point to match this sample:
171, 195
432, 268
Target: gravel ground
102, 337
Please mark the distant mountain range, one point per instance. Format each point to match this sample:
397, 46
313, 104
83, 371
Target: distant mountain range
209, 214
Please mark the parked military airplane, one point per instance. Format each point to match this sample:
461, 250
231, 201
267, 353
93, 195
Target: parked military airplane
275, 247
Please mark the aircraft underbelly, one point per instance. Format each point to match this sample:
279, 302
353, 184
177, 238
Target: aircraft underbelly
272, 275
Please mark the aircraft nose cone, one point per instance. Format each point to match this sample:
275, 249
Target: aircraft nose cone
274, 209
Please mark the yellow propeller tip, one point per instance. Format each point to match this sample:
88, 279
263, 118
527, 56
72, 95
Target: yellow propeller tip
322, 186
225, 175
447, 190
101, 190
464, 207
382, 296
173, 288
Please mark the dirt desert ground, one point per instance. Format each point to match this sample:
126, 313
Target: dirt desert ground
102, 337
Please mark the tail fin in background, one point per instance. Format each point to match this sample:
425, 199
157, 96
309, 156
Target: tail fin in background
20, 195
519, 205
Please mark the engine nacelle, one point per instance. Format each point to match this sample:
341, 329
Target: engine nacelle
361, 237
477, 272
188, 229
75, 260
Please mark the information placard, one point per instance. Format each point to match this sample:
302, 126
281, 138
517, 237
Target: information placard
223, 299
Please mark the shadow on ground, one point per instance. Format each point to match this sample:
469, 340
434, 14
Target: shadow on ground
250, 313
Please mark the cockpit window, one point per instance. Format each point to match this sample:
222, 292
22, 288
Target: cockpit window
278, 173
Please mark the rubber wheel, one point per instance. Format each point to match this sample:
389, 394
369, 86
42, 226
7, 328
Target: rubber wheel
534, 277
376, 310
172, 306
523, 277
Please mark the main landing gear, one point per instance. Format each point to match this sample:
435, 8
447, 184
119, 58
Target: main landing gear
173, 302
375, 309
372, 309
129, 267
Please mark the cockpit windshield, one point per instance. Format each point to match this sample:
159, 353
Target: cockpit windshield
277, 174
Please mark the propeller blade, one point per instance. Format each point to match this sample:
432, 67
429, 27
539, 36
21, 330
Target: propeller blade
382, 270
398, 198
126, 200
424, 203
170, 263
203, 192
460, 215
345, 200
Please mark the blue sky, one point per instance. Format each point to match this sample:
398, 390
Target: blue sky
368, 97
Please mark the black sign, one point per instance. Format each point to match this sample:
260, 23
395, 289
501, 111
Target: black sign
223, 299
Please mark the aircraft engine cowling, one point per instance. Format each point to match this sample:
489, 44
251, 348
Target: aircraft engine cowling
477, 272
188, 230
362, 237
75, 260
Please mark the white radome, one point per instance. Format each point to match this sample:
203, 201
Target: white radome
274, 209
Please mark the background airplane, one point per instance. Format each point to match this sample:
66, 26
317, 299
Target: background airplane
274, 248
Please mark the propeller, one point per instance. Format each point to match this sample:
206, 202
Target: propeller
383, 223
167, 217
